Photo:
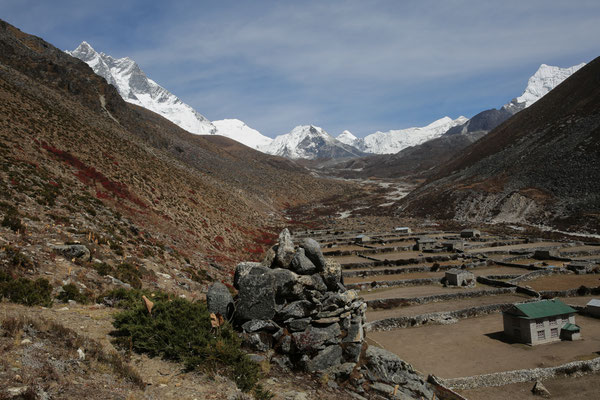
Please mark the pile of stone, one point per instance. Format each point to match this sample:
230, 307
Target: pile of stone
295, 303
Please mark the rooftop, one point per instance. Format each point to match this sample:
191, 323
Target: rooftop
541, 309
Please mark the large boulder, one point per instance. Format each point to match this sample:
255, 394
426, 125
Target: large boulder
285, 250
219, 300
326, 358
316, 337
388, 368
256, 294
312, 250
242, 270
302, 264
71, 251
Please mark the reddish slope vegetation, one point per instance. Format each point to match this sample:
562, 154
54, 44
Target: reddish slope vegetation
540, 166
77, 163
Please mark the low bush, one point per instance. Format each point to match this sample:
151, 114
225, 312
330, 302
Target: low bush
71, 292
12, 220
26, 291
180, 330
129, 299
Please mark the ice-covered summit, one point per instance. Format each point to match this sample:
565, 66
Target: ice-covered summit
394, 141
309, 141
347, 137
545, 79
136, 88
238, 130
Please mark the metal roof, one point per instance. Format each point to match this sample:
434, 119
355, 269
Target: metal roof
541, 309
594, 303
571, 327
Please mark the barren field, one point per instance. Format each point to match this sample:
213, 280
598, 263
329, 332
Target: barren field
405, 255
565, 388
374, 315
563, 282
350, 259
578, 301
437, 274
415, 291
514, 247
477, 346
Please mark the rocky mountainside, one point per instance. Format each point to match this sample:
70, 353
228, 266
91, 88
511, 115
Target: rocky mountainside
136, 88
541, 166
79, 165
310, 142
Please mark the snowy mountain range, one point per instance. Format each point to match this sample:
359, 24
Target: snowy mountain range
310, 142
136, 88
393, 141
306, 141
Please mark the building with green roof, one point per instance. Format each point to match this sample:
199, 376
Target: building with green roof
543, 321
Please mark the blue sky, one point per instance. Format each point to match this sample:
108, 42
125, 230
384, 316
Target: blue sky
357, 65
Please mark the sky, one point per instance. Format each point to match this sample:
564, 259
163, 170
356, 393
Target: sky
364, 66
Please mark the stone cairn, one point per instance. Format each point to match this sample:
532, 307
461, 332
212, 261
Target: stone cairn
295, 303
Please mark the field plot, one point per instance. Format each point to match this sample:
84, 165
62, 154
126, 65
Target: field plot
416, 291
405, 255
437, 274
449, 305
477, 346
344, 247
351, 260
523, 246
579, 300
563, 282
564, 388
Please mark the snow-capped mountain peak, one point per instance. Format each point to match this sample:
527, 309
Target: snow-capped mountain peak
347, 137
394, 141
309, 141
545, 79
238, 130
136, 88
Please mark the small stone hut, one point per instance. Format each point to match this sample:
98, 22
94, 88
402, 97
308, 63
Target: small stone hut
453, 245
459, 277
470, 233
539, 322
362, 239
402, 229
425, 244
593, 307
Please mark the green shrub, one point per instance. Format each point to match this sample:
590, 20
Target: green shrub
180, 330
16, 259
26, 291
103, 269
130, 299
71, 292
130, 274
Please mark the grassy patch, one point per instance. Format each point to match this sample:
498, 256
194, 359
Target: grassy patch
180, 330
71, 292
12, 220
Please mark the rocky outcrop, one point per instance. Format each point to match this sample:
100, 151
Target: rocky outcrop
295, 303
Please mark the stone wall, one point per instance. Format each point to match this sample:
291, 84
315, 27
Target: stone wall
401, 282
576, 368
437, 318
407, 301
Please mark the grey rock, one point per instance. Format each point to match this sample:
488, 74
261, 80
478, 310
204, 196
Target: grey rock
287, 285
285, 250
386, 367
540, 390
242, 270
356, 332
325, 321
332, 274
71, 251
260, 325
260, 341
313, 252
219, 300
269, 257
315, 338
256, 294
286, 344
318, 283
352, 352
283, 362
257, 358
297, 325
326, 358
341, 371
297, 309
301, 264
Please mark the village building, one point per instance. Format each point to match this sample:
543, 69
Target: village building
593, 307
454, 245
539, 322
362, 239
425, 244
402, 229
470, 233
459, 277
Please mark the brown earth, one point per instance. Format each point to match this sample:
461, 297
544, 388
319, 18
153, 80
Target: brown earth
416, 291
477, 346
564, 282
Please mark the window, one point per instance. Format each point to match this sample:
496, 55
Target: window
565, 319
554, 332
539, 323
553, 322
541, 335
